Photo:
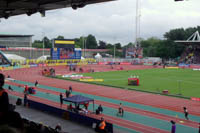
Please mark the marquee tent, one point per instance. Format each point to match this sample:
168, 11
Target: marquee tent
78, 99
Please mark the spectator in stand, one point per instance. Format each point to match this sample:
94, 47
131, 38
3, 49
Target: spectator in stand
4, 101
199, 127
61, 99
58, 127
7, 114
186, 113
173, 130
7, 129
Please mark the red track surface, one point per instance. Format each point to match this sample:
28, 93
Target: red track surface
118, 121
127, 109
171, 103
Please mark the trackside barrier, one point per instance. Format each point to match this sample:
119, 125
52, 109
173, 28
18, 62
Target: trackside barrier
55, 62
8, 68
82, 119
33, 65
125, 63
58, 61
195, 99
16, 67
194, 66
44, 107
61, 64
82, 63
172, 67
102, 63
114, 63
25, 66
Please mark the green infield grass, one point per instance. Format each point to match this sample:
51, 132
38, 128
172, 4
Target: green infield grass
184, 82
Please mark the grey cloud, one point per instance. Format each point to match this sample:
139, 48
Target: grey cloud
112, 22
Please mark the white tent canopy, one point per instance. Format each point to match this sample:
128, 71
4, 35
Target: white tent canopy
14, 57
82, 58
97, 56
44, 57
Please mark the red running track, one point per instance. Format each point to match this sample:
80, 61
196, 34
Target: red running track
118, 121
171, 103
165, 102
127, 109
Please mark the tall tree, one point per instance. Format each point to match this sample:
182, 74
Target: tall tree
77, 43
117, 53
118, 46
130, 44
47, 42
150, 46
91, 42
37, 44
175, 34
102, 45
109, 46
60, 37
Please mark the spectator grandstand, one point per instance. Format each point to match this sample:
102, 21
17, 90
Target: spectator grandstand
191, 55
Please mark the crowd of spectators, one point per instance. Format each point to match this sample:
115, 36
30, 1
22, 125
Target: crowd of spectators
191, 55
33, 127
12, 122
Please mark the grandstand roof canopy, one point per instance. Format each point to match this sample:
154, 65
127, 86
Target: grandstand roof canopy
189, 42
16, 7
4, 35
194, 39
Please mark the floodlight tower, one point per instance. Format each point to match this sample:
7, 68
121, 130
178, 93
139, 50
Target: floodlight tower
43, 44
137, 23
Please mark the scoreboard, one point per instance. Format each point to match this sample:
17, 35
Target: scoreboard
64, 43
65, 49
65, 53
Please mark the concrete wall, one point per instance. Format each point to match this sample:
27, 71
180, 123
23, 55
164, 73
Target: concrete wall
11, 41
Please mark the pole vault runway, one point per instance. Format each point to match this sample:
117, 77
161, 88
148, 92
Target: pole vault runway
144, 112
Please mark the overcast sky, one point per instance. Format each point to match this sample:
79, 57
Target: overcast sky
111, 22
